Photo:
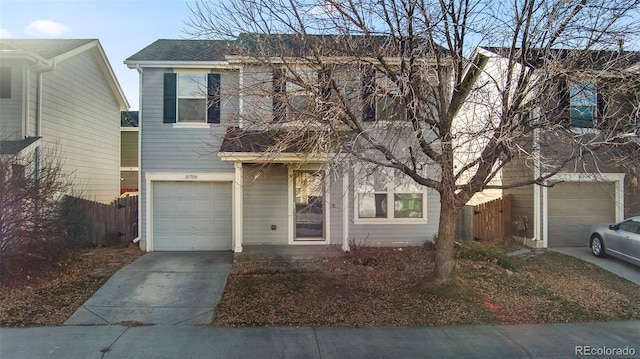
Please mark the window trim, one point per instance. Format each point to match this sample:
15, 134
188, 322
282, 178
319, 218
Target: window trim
212, 97
390, 192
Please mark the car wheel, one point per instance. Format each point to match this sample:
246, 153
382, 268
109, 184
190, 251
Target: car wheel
597, 246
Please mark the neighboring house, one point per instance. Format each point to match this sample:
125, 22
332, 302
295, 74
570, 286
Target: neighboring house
129, 152
61, 97
205, 187
583, 195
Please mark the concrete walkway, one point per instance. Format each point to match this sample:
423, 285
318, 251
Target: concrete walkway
613, 265
160, 288
159, 341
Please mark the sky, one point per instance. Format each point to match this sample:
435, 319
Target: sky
123, 27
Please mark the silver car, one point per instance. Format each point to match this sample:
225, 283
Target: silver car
620, 240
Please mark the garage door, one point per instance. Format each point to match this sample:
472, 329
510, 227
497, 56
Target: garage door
574, 207
192, 216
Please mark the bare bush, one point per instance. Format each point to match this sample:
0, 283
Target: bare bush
30, 234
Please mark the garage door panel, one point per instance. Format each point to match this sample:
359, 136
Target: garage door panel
192, 216
573, 207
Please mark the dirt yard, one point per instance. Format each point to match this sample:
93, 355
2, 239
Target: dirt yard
51, 295
392, 287
368, 287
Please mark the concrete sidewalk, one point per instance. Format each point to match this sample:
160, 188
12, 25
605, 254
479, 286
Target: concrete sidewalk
509, 341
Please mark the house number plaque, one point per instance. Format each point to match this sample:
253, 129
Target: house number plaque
191, 177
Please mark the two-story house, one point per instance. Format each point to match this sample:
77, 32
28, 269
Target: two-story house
210, 180
62, 98
581, 101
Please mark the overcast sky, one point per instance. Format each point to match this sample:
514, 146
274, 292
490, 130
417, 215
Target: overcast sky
123, 26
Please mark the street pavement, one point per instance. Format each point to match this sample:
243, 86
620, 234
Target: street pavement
562, 340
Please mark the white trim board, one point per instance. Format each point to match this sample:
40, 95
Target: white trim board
291, 229
151, 177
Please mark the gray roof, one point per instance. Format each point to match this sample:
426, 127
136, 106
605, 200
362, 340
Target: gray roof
184, 50
47, 48
267, 44
14, 147
578, 59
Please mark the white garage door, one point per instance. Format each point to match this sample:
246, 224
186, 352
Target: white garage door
574, 207
192, 216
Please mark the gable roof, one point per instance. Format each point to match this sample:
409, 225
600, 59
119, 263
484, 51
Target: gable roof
48, 52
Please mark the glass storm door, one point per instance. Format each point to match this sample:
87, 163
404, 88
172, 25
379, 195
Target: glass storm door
309, 205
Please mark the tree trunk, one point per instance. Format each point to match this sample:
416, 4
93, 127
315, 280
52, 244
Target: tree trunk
445, 260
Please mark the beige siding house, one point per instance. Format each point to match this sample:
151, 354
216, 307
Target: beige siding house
560, 211
62, 97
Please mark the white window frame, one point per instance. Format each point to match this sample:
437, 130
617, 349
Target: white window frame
390, 192
203, 96
389, 91
293, 90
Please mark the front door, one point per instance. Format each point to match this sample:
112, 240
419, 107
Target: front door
309, 208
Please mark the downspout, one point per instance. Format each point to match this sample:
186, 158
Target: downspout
38, 119
49, 68
139, 69
26, 96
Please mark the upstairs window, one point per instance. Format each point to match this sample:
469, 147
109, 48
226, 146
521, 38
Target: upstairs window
290, 100
380, 98
583, 108
5, 82
191, 98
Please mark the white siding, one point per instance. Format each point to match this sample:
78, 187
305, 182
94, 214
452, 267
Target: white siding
81, 121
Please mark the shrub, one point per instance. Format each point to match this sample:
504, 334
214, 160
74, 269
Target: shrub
485, 252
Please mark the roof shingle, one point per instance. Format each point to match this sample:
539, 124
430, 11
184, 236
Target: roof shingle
183, 50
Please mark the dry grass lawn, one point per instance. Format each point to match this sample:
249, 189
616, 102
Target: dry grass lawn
393, 287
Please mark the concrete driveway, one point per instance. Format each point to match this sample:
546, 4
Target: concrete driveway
614, 265
168, 288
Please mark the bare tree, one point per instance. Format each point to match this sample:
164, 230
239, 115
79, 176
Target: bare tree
413, 62
30, 189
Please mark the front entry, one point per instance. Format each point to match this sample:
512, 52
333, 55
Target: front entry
309, 211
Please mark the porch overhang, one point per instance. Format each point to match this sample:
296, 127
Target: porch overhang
273, 146
19, 147
266, 157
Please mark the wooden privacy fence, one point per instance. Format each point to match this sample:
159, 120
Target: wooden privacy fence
492, 220
93, 223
